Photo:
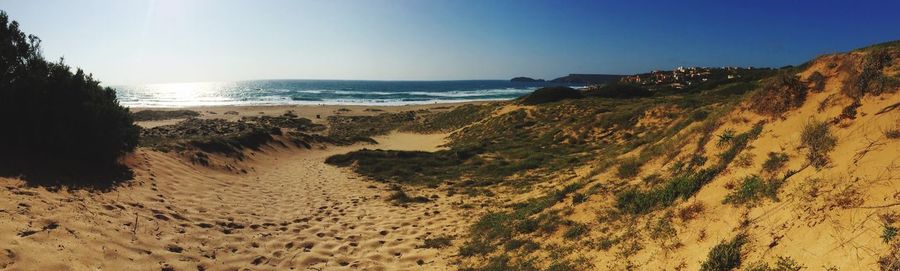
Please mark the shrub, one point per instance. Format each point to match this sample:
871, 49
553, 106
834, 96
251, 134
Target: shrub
725, 256
870, 80
149, 115
889, 233
699, 115
51, 113
691, 211
682, 186
620, 91
662, 228
405, 166
779, 94
818, 140
891, 261
751, 189
550, 94
400, 196
725, 137
628, 168
475, 247
579, 198
818, 81
744, 160
892, 133
775, 161
575, 230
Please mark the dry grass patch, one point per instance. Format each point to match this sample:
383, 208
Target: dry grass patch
818, 140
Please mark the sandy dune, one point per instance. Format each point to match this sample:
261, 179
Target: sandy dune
290, 211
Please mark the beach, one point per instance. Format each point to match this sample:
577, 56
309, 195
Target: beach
286, 210
316, 113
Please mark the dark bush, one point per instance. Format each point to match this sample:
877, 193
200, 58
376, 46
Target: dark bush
149, 115
50, 113
550, 94
781, 93
870, 80
621, 91
818, 81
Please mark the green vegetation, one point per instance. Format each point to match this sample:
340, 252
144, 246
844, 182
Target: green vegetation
685, 184
405, 166
522, 147
618, 91
778, 95
751, 189
725, 256
725, 137
421, 121
550, 94
575, 231
150, 115
682, 186
495, 229
889, 233
451, 120
775, 162
51, 114
818, 140
628, 168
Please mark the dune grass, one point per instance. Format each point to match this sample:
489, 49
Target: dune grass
683, 185
726, 255
818, 140
751, 189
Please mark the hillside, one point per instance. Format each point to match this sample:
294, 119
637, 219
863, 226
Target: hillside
798, 169
588, 79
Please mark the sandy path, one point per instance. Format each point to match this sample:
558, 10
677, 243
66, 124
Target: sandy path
291, 212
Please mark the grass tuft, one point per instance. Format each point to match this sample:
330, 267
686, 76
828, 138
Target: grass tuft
818, 140
725, 256
751, 189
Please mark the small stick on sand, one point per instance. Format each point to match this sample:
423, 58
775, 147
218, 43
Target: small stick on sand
134, 229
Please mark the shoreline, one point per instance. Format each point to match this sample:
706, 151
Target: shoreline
317, 103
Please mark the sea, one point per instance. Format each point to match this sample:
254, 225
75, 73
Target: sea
322, 92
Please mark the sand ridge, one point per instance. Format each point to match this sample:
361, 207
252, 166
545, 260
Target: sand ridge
291, 211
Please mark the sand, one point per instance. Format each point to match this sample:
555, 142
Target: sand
316, 113
290, 211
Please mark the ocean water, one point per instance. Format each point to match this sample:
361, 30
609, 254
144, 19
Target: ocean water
315, 92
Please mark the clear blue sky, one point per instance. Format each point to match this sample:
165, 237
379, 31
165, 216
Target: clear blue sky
133, 42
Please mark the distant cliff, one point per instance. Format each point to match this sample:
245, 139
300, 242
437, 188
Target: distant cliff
526, 79
588, 79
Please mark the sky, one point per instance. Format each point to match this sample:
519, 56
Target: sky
140, 42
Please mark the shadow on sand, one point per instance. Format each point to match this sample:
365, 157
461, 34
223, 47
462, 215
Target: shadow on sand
55, 174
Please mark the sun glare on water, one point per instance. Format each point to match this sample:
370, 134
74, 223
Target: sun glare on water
196, 93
